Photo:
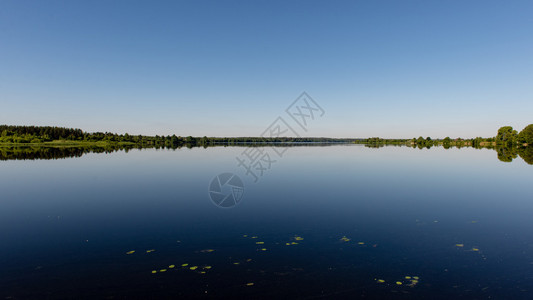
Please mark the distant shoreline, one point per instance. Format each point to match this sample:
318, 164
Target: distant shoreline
49, 136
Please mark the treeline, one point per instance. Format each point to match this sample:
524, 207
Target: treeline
508, 143
35, 142
43, 134
28, 134
509, 137
505, 137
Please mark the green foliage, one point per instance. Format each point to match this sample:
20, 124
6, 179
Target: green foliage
446, 142
506, 140
476, 143
506, 136
427, 142
36, 135
54, 133
526, 135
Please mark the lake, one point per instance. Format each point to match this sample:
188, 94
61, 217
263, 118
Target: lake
341, 221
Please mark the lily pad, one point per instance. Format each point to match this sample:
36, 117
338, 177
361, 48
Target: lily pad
345, 239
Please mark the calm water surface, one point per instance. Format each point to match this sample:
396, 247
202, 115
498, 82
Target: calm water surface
323, 222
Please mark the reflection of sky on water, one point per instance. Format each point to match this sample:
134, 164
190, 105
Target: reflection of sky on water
413, 205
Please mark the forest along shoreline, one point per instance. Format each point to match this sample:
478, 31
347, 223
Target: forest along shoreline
51, 142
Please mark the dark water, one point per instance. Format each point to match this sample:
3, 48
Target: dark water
457, 223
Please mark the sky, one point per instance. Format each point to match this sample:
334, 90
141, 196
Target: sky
393, 69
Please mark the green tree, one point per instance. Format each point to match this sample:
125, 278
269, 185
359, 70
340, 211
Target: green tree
476, 143
190, 140
526, 135
507, 136
446, 142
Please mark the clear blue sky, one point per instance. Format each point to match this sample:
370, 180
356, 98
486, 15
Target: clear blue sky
229, 68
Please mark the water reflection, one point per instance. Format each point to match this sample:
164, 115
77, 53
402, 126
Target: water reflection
507, 154
504, 154
33, 153
327, 222
526, 153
